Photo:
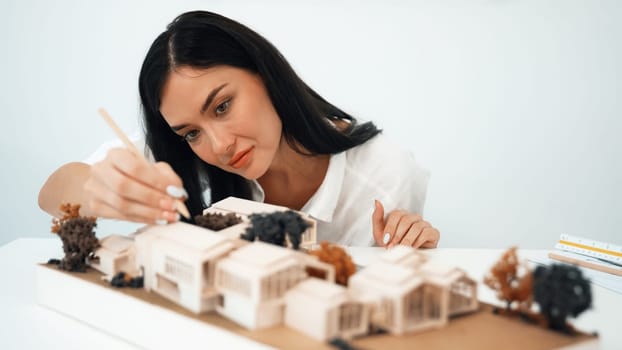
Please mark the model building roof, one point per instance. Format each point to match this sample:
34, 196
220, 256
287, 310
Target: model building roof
320, 289
440, 272
190, 236
116, 243
246, 207
261, 255
315, 294
385, 278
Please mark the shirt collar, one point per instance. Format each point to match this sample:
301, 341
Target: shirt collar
322, 204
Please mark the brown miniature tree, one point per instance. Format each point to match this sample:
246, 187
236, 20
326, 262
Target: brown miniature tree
336, 256
217, 221
78, 237
511, 286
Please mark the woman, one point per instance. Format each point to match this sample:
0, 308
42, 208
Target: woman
225, 112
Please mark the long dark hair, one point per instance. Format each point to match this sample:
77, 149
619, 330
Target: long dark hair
203, 39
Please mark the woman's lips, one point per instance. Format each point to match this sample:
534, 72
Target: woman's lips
240, 159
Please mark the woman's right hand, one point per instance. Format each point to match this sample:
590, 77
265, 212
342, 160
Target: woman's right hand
127, 187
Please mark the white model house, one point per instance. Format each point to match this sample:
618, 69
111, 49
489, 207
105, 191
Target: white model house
405, 301
244, 208
325, 310
253, 281
178, 262
115, 254
414, 293
461, 288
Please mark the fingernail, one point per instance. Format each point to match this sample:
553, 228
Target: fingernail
176, 192
161, 222
386, 238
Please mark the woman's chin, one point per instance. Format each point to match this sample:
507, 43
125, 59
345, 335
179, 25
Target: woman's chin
250, 173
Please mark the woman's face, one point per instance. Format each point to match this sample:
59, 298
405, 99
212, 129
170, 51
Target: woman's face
225, 115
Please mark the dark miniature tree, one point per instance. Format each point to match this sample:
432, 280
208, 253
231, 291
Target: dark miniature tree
122, 279
561, 291
274, 227
78, 237
217, 221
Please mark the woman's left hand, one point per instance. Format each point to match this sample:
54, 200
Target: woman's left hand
402, 227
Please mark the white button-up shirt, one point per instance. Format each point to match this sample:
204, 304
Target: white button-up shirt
344, 202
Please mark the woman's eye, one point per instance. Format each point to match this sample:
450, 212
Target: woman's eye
223, 107
191, 136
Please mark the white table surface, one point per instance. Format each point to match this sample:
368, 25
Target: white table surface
26, 325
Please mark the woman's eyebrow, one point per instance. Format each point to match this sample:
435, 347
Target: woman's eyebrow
208, 101
211, 97
176, 128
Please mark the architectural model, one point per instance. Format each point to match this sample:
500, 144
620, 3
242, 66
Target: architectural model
260, 285
326, 311
253, 280
411, 294
178, 261
116, 253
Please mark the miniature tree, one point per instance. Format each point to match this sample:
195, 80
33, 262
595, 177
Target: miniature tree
217, 221
78, 237
336, 256
561, 291
122, 279
273, 227
511, 286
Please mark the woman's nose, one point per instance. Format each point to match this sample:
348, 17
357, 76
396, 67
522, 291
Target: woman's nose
222, 142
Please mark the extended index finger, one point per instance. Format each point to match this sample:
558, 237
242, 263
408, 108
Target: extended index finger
377, 220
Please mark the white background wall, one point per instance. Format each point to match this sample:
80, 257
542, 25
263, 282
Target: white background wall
514, 105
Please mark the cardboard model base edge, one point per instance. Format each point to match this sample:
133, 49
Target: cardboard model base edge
150, 321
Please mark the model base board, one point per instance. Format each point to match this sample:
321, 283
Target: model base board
151, 321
